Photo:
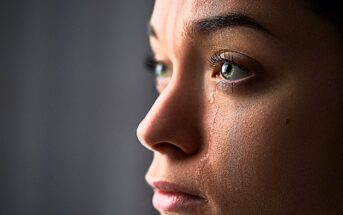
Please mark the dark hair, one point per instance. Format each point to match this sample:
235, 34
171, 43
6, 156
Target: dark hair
330, 10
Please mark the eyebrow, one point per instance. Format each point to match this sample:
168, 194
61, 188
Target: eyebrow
151, 31
212, 24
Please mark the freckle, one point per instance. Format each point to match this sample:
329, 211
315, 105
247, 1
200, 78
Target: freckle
288, 121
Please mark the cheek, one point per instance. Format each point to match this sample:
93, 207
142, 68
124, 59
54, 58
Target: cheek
274, 148
235, 153
244, 150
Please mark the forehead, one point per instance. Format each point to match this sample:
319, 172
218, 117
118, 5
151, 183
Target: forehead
170, 17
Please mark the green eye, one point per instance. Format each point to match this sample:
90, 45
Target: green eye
232, 72
160, 70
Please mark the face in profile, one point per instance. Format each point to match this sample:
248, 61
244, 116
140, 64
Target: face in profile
249, 116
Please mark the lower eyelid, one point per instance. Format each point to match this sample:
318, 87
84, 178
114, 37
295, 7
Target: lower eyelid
161, 83
225, 86
239, 80
231, 86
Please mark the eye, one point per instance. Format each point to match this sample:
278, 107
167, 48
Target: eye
232, 67
159, 69
233, 72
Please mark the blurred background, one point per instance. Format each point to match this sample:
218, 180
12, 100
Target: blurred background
72, 92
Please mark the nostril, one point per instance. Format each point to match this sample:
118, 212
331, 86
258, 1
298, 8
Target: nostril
168, 148
144, 136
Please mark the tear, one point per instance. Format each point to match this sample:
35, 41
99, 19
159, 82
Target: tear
201, 178
213, 94
213, 122
212, 100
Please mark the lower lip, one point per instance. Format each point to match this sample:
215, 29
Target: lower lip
166, 201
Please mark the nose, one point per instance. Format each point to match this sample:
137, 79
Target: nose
173, 124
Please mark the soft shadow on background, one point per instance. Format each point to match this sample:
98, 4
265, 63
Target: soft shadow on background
73, 90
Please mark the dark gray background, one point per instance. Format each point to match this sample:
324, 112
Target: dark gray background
72, 91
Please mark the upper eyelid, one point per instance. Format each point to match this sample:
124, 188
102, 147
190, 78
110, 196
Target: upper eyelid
156, 61
150, 61
237, 58
158, 57
216, 58
158, 52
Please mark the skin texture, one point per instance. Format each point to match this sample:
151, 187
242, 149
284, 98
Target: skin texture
271, 144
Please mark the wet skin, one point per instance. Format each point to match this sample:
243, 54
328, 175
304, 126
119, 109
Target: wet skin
270, 139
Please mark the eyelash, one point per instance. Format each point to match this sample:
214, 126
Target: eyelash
150, 63
217, 60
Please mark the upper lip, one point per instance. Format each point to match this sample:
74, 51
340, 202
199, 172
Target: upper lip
169, 187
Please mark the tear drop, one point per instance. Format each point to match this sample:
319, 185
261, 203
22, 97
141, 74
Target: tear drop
213, 94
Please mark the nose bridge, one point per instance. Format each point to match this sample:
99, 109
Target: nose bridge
175, 117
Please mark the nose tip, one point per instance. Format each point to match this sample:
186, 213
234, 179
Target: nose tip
160, 138
142, 135
180, 144
171, 126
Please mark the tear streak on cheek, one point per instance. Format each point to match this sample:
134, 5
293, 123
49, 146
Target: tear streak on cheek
204, 168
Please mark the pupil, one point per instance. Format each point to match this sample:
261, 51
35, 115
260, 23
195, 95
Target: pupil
226, 70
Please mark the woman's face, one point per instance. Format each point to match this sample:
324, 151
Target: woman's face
249, 116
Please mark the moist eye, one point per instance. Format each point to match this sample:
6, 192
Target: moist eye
226, 70
159, 69
233, 72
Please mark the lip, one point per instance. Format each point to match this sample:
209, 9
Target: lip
173, 197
